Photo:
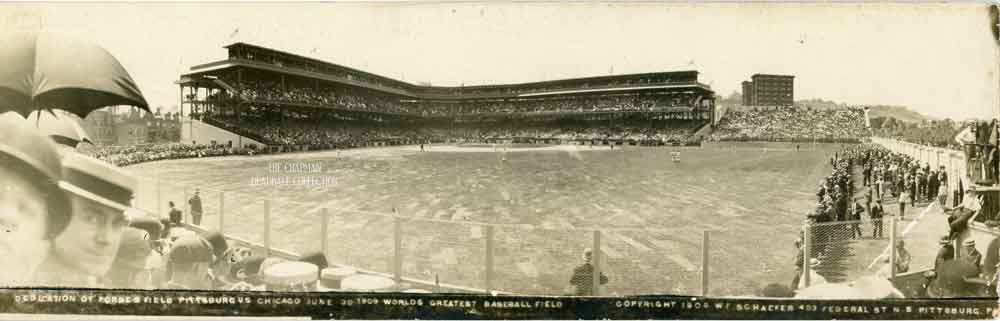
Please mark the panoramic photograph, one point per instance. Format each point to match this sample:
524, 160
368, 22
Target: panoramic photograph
758, 150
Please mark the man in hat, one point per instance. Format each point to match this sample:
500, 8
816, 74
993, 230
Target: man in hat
188, 264
876, 215
958, 221
32, 207
814, 278
856, 219
947, 251
133, 252
970, 254
904, 197
903, 257
99, 195
583, 275
195, 203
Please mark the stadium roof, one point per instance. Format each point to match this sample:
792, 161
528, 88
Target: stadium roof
671, 79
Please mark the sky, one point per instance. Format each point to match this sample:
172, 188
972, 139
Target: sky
937, 59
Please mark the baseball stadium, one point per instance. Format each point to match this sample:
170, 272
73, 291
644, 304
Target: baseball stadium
500, 188
290, 173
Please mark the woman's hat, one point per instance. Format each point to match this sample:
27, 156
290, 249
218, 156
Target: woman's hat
26, 151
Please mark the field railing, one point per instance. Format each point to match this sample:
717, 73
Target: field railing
449, 253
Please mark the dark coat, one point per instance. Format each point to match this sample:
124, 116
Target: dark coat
583, 279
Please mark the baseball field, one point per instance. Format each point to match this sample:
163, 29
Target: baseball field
539, 204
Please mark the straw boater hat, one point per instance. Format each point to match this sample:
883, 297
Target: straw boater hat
330, 278
945, 240
290, 272
970, 242
150, 225
95, 180
813, 262
26, 151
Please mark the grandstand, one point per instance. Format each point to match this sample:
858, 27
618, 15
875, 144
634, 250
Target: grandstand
283, 99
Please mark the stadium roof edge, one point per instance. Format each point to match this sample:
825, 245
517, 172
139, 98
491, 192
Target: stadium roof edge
419, 87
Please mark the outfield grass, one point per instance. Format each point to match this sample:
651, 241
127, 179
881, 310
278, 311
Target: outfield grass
543, 204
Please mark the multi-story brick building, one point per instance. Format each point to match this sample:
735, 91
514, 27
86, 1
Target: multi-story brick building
769, 90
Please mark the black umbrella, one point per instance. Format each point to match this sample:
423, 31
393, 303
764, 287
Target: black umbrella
46, 71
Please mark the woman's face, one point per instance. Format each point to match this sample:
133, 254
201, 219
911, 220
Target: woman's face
23, 217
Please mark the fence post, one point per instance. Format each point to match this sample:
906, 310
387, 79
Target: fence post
187, 207
489, 257
323, 237
807, 255
159, 198
892, 247
222, 212
267, 226
596, 258
397, 262
704, 263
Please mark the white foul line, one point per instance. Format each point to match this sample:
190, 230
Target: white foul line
905, 231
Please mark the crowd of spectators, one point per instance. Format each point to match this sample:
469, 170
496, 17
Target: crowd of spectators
357, 100
128, 155
932, 133
793, 124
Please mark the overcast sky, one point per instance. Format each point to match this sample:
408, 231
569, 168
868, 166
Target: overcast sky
938, 59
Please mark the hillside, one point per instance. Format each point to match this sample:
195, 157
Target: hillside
898, 112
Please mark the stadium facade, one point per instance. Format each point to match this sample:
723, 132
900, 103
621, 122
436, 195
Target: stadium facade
270, 84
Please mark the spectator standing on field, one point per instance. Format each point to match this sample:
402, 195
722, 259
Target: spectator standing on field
904, 197
583, 276
195, 203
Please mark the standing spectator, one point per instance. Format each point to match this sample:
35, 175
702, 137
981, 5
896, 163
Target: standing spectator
942, 195
876, 215
583, 275
799, 260
175, 215
856, 219
878, 187
933, 184
195, 203
904, 197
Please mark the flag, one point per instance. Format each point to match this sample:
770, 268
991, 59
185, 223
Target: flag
868, 120
234, 33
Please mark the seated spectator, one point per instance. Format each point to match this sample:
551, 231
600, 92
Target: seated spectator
133, 253
188, 264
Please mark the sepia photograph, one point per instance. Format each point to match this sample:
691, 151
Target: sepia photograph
538, 160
